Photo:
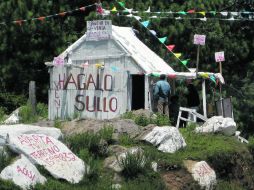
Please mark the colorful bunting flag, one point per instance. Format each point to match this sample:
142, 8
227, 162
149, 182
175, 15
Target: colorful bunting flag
99, 9
82, 8
213, 78
213, 12
148, 10
153, 32
204, 75
170, 47
114, 9
122, 4
224, 13
178, 55
202, 13
162, 40
42, 18
172, 76
85, 65
145, 23
114, 68
182, 12
156, 74
191, 11
184, 62
62, 14
99, 65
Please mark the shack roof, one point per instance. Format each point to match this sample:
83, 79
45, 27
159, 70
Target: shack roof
148, 60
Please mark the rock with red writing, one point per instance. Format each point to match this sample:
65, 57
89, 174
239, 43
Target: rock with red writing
202, 173
23, 173
218, 124
27, 129
51, 154
168, 139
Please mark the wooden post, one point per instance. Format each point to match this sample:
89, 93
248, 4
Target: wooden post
197, 61
32, 96
222, 111
204, 98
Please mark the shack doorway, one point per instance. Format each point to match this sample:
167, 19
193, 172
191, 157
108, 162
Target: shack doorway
138, 92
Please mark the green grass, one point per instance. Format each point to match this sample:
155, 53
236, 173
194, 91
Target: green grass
199, 147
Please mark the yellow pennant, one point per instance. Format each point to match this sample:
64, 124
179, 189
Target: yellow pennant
114, 9
178, 55
202, 13
98, 65
204, 75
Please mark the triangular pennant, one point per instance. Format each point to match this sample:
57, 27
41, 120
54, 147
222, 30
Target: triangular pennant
62, 14
114, 9
153, 32
114, 68
204, 75
42, 18
202, 13
122, 4
162, 40
85, 65
19, 22
99, 9
234, 13
82, 8
148, 10
182, 12
191, 11
224, 13
213, 78
145, 23
213, 12
156, 74
171, 47
184, 62
178, 55
172, 76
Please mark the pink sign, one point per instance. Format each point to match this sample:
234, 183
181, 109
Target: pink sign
219, 56
199, 39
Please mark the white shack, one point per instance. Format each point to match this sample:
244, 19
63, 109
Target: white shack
105, 73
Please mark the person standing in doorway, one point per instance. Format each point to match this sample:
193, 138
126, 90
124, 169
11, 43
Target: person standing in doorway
161, 95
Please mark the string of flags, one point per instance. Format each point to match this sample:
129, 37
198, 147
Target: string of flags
44, 18
234, 15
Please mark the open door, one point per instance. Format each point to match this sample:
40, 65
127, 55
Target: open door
138, 92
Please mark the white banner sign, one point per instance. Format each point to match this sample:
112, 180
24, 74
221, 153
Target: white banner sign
219, 56
99, 30
199, 39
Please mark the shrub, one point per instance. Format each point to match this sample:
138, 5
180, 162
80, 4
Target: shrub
4, 160
91, 141
11, 101
42, 110
26, 114
126, 140
142, 120
57, 124
128, 115
2, 114
134, 164
8, 185
161, 120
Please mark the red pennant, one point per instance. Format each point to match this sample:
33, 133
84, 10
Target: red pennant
99, 10
42, 18
62, 13
172, 76
19, 22
82, 8
191, 11
171, 47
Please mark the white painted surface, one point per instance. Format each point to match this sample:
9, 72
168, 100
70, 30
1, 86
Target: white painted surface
27, 129
168, 139
204, 175
13, 118
226, 126
50, 153
23, 173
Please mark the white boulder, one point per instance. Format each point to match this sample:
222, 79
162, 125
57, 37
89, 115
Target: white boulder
50, 153
168, 139
23, 173
202, 173
13, 118
226, 126
27, 129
